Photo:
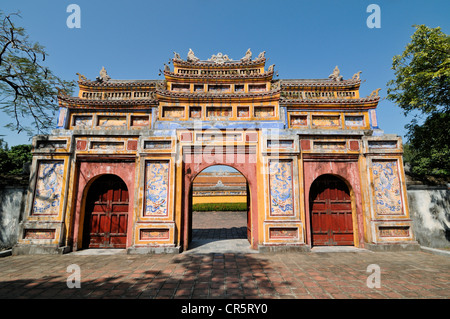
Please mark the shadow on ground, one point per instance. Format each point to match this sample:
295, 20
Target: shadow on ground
180, 276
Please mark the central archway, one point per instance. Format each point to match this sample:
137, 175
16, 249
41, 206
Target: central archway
246, 167
219, 206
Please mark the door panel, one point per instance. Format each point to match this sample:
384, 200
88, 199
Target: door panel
331, 212
106, 215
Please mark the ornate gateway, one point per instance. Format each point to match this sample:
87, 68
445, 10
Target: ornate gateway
118, 170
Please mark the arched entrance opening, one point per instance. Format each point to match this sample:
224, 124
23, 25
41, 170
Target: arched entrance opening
106, 213
331, 212
219, 206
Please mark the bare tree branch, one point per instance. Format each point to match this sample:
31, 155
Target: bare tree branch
28, 89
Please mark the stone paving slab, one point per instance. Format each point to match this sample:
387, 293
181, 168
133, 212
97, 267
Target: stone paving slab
220, 246
310, 275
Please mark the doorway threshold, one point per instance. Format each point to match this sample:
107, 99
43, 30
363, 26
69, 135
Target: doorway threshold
339, 249
220, 246
99, 251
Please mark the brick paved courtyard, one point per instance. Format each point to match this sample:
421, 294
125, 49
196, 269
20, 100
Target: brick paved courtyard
311, 275
219, 225
301, 275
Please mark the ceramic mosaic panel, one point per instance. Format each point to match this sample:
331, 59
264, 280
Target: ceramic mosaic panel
256, 87
62, 117
195, 112
264, 111
82, 121
387, 188
219, 88
382, 144
51, 144
332, 145
332, 120
386, 231
219, 137
154, 234
107, 146
280, 180
239, 88
199, 88
140, 121
156, 188
280, 143
150, 145
219, 111
181, 87
243, 111
299, 120
39, 234
49, 182
354, 120
283, 233
173, 112
373, 118
112, 121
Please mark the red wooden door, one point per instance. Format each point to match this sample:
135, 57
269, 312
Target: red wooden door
331, 212
106, 215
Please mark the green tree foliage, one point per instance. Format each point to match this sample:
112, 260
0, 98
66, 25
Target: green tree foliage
429, 145
5, 162
422, 84
208, 207
28, 89
13, 159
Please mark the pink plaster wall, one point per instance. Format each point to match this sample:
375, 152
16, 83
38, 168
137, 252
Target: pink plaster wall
347, 170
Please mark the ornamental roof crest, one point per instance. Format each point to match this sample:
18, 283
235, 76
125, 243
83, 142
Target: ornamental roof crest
219, 58
336, 75
191, 56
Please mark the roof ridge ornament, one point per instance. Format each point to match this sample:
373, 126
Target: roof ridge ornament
261, 55
374, 93
191, 56
220, 184
81, 77
336, 75
104, 77
219, 58
247, 57
356, 75
166, 68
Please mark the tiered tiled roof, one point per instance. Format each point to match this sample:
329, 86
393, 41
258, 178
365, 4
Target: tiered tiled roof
332, 92
367, 102
265, 75
119, 83
319, 83
76, 102
216, 95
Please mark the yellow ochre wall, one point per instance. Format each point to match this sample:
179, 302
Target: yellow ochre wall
218, 199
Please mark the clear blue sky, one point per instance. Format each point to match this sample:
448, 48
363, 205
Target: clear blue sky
304, 39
